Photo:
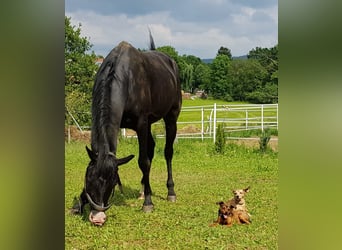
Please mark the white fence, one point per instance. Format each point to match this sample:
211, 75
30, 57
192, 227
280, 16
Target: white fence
235, 117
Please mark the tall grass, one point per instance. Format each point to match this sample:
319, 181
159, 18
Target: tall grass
202, 177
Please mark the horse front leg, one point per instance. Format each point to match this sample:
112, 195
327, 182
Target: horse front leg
78, 204
150, 153
144, 162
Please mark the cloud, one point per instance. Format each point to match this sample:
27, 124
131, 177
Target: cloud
191, 29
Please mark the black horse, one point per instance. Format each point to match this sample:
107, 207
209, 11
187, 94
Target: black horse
133, 89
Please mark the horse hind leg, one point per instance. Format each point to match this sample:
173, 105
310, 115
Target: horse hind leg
145, 163
171, 130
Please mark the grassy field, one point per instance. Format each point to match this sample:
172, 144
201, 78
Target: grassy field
201, 179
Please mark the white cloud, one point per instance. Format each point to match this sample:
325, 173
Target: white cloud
238, 31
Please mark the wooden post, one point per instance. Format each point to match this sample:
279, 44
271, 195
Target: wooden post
69, 135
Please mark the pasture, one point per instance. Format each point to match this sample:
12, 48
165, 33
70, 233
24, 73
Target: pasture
201, 177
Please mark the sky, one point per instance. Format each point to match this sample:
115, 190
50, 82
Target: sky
192, 27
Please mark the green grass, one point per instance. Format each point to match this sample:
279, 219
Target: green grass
201, 179
196, 115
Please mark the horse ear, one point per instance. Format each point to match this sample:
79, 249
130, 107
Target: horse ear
91, 154
124, 160
246, 189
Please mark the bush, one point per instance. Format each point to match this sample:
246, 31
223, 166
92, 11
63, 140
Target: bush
220, 141
264, 139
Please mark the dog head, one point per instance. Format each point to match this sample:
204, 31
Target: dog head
239, 194
223, 209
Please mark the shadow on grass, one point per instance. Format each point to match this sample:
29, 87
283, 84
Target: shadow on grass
119, 199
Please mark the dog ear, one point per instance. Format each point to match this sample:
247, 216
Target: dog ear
246, 189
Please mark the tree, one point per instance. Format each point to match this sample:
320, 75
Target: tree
202, 77
225, 51
193, 60
187, 77
170, 51
80, 69
268, 58
246, 76
220, 86
190, 62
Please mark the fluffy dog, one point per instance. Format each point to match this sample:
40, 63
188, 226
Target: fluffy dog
238, 204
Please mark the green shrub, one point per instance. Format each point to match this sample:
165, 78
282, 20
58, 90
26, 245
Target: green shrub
264, 139
220, 141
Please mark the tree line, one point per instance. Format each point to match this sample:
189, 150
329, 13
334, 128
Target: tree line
253, 80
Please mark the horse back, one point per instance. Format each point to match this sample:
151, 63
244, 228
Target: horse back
141, 83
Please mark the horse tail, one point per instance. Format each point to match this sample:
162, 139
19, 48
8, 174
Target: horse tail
152, 45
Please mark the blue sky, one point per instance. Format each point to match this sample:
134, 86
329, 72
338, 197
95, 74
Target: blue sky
192, 27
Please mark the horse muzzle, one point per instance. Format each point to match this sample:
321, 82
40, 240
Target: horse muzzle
96, 206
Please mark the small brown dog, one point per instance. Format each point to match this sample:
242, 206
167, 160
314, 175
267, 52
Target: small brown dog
227, 215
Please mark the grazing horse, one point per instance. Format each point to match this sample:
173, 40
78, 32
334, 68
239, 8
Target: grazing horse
132, 89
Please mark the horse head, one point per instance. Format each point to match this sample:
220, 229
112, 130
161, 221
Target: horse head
100, 180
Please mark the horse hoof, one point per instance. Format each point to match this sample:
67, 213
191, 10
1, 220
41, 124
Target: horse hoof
147, 208
171, 198
75, 211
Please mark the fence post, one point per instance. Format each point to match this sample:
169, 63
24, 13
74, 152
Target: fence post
202, 127
69, 135
246, 119
210, 122
277, 116
214, 127
262, 117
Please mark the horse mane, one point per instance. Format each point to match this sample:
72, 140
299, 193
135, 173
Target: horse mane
101, 106
101, 102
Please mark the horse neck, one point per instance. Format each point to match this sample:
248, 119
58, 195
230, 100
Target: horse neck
104, 141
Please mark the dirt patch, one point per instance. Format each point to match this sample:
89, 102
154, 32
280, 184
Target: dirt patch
188, 130
253, 142
76, 135
72, 133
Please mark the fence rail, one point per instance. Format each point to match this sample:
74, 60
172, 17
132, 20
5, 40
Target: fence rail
235, 117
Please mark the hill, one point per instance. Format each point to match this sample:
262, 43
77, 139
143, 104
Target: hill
210, 60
